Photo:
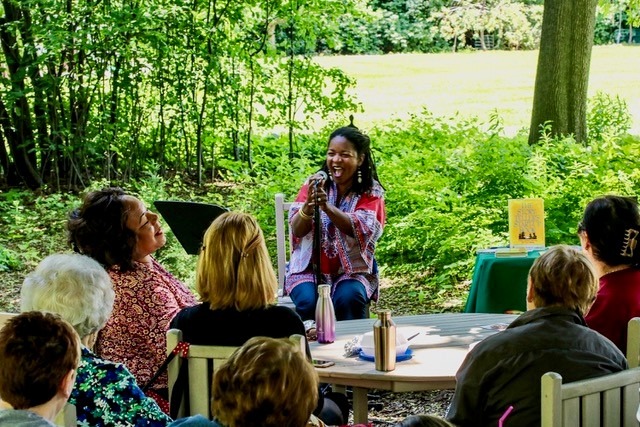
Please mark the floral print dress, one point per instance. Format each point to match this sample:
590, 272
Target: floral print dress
106, 394
147, 298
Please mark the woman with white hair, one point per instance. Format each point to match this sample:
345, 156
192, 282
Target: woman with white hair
79, 290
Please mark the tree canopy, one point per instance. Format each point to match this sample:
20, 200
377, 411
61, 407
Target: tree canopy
99, 88
113, 88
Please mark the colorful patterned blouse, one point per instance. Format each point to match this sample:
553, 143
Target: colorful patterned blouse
147, 298
343, 257
106, 394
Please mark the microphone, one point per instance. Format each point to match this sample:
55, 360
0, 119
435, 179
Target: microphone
318, 178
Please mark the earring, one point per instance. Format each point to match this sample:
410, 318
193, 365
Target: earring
359, 176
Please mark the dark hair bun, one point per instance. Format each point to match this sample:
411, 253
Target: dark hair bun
351, 125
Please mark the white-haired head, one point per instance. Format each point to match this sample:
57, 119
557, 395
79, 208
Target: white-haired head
75, 287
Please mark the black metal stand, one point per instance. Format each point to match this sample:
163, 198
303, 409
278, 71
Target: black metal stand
317, 240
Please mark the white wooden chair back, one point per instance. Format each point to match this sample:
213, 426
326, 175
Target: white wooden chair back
67, 417
200, 356
283, 241
633, 342
203, 361
4, 316
283, 245
607, 401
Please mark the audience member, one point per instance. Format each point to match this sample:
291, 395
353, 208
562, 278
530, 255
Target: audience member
237, 285
266, 383
39, 354
504, 370
79, 290
609, 234
118, 231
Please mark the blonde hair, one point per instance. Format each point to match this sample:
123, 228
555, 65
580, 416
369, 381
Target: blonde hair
564, 277
234, 269
267, 382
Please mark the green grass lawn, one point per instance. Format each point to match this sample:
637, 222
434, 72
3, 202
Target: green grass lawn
476, 83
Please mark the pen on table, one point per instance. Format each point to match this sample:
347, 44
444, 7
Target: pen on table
505, 415
413, 336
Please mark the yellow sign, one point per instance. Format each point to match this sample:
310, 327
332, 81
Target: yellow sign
526, 222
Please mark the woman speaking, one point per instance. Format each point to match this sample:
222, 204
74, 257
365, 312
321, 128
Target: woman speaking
352, 214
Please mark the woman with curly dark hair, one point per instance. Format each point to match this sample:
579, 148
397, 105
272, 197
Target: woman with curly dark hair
118, 231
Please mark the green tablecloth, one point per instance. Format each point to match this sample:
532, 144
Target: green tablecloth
499, 284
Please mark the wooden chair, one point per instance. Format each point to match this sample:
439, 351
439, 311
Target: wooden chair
633, 342
4, 316
203, 361
67, 417
283, 245
606, 401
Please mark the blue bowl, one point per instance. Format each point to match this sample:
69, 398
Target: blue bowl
399, 357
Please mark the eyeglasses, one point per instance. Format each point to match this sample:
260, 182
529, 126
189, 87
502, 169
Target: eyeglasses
581, 227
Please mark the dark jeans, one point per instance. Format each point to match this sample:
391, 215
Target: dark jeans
349, 300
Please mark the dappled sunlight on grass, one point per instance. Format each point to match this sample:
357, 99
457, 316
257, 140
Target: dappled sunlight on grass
475, 83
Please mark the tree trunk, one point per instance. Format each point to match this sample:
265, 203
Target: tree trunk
15, 117
7, 166
24, 167
562, 77
483, 45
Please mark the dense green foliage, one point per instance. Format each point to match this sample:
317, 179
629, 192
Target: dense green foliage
447, 182
113, 90
384, 26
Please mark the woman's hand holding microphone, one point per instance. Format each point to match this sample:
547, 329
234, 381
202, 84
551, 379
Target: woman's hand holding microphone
316, 194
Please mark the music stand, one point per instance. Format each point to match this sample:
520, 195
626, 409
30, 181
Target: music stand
188, 221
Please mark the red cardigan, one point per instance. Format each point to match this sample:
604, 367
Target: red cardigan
617, 302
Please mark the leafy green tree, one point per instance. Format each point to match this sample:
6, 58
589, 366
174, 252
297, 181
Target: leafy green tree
513, 24
123, 89
618, 12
